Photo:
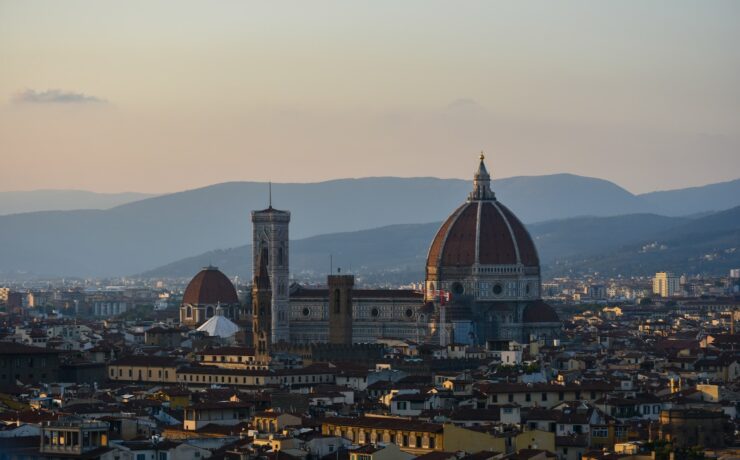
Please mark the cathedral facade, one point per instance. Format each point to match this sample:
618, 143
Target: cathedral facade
375, 313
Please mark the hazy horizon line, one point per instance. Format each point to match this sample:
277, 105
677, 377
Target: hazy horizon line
153, 194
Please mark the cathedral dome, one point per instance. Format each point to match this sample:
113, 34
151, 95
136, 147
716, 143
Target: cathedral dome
482, 231
539, 312
210, 287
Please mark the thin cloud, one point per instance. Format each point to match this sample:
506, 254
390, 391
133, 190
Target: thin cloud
55, 96
465, 106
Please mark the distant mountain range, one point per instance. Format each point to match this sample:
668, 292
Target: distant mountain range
639, 244
63, 200
136, 236
710, 244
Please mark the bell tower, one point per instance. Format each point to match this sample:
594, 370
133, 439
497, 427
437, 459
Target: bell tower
340, 308
270, 253
262, 310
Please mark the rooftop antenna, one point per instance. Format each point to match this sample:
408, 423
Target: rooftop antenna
331, 264
269, 188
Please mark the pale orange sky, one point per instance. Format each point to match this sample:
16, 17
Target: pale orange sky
158, 96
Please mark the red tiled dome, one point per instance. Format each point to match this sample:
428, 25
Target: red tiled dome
539, 312
210, 287
483, 232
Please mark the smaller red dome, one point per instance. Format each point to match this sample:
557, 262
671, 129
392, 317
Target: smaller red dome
539, 312
210, 287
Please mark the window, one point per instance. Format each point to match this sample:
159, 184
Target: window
561, 395
528, 397
431, 442
494, 398
337, 302
544, 396
140, 456
599, 433
511, 397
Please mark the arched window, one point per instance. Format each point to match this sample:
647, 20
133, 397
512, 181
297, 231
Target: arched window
209, 312
280, 257
337, 302
189, 312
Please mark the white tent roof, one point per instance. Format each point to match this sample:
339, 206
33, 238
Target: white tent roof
220, 326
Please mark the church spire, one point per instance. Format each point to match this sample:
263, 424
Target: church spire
481, 183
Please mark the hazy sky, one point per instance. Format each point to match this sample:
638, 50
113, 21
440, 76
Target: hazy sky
161, 96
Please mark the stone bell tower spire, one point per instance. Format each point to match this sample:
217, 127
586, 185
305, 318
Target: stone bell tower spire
481, 183
270, 246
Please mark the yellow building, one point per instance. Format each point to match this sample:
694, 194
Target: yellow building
611, 312
229, 358
412, 436
274, 422
143, 369
476, 440
227, 413
419, 437
535, 439
176, 397
463, 439
666, 284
